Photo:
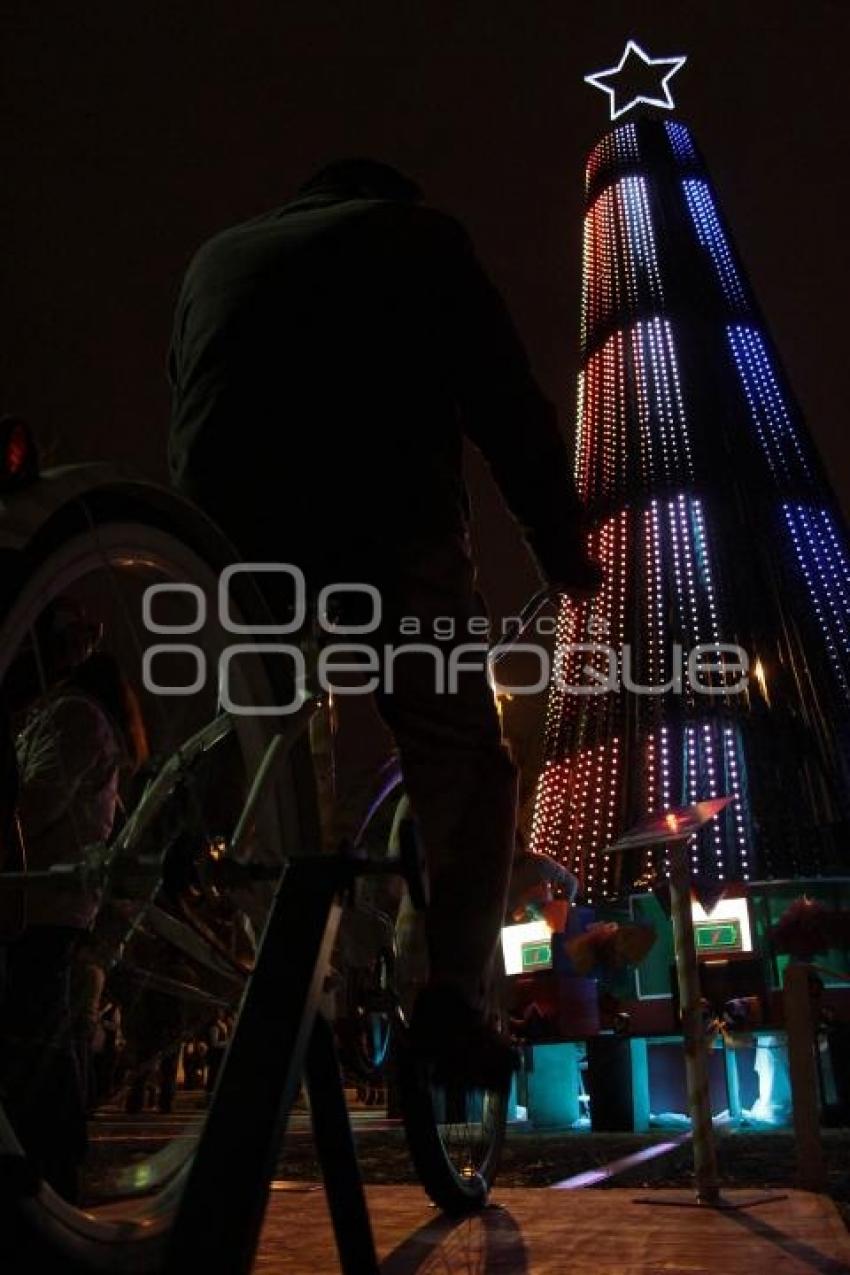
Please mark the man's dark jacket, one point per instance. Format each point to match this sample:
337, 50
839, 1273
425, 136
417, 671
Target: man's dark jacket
328, 359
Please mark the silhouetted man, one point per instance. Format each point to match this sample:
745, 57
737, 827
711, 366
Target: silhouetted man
328, 359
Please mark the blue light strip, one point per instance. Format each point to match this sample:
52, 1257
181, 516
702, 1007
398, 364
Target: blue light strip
779, 439
681, 142
825, 566
626, 144
713, 239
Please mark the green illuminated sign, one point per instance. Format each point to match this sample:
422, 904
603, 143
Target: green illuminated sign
537, 956
718, 936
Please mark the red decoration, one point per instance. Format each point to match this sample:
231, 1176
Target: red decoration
807, 928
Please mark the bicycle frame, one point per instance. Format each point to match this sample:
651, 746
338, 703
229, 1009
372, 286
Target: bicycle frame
280, 1035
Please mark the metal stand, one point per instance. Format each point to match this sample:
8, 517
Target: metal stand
696, 1053
672, 829
280, 1037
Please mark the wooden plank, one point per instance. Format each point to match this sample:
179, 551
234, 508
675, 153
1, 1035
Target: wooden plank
594, 1232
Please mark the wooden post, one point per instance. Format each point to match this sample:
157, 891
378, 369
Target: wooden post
800, 1026
696, 1052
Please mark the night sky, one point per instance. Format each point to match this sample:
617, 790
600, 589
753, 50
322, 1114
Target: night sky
131, 132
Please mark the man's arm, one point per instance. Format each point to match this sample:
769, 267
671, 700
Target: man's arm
507, 417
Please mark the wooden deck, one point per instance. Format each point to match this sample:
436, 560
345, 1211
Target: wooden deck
589, 1232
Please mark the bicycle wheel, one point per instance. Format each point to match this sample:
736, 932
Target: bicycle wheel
454, 1133
175, 938
364, 1029
366, 955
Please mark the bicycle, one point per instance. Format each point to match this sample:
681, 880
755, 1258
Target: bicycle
213, 848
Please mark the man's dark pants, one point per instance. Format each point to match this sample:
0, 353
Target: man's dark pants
457, 772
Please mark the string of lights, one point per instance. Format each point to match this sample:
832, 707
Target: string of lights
713, 239
824, 563
783, 447
620, 146
611, 755
621, 261
681, 142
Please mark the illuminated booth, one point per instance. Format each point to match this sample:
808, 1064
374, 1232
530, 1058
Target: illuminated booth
629, 1059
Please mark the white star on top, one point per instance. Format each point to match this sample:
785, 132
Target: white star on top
626, 70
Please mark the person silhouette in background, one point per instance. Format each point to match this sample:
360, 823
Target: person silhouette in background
328, 360
80, 727
218, 1035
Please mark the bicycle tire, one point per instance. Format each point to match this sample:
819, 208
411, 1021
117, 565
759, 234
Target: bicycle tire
457, 1170
365, 1028
142, 521
454, 1134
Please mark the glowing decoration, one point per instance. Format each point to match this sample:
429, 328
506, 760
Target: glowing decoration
576, 806
664, 443
771, 416
548, 819
518, 939
817, 543
619, 82
734, 911
621, 265
700, 761
615, 148
603, 442
713, 526
713, 238
681, 142
824, 562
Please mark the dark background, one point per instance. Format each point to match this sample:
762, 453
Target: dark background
131, 132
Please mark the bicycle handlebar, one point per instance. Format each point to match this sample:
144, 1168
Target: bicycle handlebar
527, 615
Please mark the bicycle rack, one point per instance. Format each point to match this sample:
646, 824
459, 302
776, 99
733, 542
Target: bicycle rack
220, 1215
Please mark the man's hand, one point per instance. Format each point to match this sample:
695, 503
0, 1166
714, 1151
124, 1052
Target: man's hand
581, 580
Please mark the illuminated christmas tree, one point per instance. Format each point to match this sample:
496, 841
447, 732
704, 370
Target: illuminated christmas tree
716, 528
